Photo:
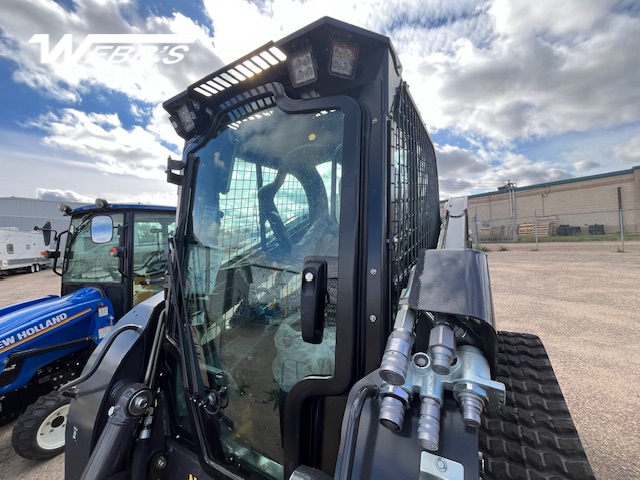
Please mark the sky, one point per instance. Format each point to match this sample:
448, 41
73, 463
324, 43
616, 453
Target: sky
510, 90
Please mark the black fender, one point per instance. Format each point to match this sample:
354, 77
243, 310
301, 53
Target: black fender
123, 363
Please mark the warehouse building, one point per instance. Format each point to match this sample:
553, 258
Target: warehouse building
27, 213
594, 205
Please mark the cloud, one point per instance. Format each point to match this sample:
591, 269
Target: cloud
147, 198
69, 81
62, 196
103, 140
535, 78
628, 152
454, 160
467, 172
585, 165
491, 75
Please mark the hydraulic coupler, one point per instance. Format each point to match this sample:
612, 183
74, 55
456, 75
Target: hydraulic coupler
450, 289
469, 380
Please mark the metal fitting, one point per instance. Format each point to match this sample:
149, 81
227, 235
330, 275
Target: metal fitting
442, 347
395, 361
395, 400
472, 399
139, 402
160, 462
429, 424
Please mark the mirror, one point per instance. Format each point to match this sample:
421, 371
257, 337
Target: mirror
101, 229
46, 233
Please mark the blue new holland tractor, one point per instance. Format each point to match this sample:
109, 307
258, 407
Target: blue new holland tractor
115, 257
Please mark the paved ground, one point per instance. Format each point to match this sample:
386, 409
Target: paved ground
581, 299
13, 289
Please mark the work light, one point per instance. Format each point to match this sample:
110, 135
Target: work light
302, 68
344, 57
187, 114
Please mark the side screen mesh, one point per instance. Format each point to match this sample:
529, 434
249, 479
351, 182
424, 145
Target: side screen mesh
415, 213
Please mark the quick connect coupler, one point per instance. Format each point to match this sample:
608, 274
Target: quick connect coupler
469, 379
397, 353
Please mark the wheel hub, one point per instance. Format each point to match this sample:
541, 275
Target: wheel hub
51, 432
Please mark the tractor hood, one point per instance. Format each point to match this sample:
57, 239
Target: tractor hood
34, 320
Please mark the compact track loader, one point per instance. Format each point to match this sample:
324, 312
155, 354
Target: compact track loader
323, 318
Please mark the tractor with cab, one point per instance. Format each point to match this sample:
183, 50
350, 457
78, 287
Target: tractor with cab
115, 257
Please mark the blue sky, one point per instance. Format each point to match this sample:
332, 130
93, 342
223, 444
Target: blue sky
510, 89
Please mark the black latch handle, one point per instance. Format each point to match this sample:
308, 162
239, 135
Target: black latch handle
313, 300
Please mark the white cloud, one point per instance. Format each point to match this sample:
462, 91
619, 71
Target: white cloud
146, 198
504, 70
69, 81
628, 152
100, 137
585, 165
62, 195
535, 78
465, 172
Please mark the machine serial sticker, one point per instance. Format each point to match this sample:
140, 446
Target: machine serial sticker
103, 311
103, 332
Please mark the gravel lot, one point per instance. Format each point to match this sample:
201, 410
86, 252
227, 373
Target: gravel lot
580, 298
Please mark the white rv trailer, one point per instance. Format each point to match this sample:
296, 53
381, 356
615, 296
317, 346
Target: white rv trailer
21, 251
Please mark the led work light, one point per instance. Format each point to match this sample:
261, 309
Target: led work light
344, 57
187, 116
302, 68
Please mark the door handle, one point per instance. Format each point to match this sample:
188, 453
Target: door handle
313, 300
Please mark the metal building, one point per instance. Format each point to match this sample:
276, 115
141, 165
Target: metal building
592, 205
27, 213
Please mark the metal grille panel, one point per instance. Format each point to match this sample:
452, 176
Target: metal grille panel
415, 217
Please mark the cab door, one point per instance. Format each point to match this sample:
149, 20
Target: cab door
269, 201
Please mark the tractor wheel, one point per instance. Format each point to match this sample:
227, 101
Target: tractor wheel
33, 268
532, 435
39, 432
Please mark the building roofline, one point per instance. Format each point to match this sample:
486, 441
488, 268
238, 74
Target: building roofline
559, 182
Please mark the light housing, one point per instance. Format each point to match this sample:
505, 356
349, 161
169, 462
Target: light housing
343, 60
184, 117
302, 68
101, 203
187, 116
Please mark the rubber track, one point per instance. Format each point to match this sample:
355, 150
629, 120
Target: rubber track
532, 436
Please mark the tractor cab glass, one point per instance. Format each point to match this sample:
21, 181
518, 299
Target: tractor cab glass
265, 203
98, 250
87, 258
151, 232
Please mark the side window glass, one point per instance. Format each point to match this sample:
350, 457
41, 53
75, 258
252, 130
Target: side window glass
151, 232
10, 248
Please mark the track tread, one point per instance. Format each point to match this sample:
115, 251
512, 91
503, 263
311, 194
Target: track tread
532, 436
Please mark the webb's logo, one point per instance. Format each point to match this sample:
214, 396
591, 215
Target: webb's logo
116, 48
